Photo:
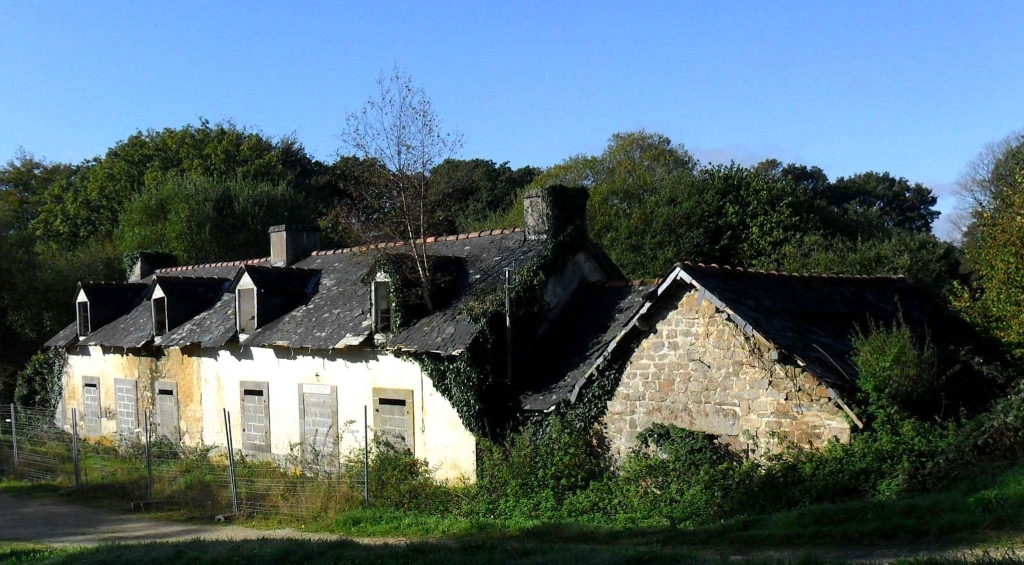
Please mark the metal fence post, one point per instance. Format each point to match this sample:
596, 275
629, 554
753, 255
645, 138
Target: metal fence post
14, 439
231, 461
366, 456
74, 448
149, 462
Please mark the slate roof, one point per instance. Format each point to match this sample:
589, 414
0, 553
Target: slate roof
447, 331
188, 296
573, 344
813, 318
65, 337
336, 311
810, 320
336, 315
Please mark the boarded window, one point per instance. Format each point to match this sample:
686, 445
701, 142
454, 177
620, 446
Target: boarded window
382, 306
91, 413
84, 323
127, 406
255, 416
159, 316
393, 417
167, 411
246, 309
318, 410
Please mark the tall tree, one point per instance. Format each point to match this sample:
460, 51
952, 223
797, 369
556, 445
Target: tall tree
881, 201
200, 218
478, 188
22, 180
399, 132
90, 202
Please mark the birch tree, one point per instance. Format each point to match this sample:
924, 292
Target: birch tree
398, 130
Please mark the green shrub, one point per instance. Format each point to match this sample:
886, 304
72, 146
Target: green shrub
897, 372
40, 383
400, 481
534, 471
681, 476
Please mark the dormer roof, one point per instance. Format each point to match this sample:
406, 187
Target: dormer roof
330, 300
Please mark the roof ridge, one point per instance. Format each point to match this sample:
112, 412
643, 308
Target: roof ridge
433, 239
238, 263
635, 282
715, 267
289, 269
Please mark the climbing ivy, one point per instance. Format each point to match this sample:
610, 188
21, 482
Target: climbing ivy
158, 258
407, 303
476, 381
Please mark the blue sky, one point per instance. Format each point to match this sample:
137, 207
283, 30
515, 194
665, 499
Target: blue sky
915, 88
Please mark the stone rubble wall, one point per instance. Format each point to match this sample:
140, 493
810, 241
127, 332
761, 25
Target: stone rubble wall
699, 371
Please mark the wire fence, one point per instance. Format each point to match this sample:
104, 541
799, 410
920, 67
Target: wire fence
191, 462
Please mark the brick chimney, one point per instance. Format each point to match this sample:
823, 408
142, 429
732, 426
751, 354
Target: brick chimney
290, 243
551, 212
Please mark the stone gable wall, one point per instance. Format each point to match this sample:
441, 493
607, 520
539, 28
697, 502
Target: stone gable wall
699, 371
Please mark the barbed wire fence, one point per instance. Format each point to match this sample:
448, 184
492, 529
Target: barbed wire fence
191, 464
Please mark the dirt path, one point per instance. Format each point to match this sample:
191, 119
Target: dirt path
55, 522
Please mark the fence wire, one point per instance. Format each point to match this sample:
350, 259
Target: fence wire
188, 465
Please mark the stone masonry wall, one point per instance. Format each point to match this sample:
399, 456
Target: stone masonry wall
699, 371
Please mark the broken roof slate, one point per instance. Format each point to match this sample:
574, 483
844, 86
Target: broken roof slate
574, 343
339, 310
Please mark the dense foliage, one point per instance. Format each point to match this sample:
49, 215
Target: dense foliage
556, 471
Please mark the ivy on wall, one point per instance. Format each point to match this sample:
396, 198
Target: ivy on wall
407, 303
476, 381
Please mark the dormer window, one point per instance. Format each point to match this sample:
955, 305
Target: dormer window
381, 296
84, 323
159, 316
245, 306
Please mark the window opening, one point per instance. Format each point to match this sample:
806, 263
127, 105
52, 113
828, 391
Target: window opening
159, 316
382, 306
246, 310
84, 323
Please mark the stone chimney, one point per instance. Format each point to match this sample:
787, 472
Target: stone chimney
148, 262
551, 212
291, 243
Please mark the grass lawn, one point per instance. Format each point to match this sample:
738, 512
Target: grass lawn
988, 511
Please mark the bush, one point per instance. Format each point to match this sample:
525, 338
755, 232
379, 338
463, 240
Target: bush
897, 372
40, 384
680, 476
400, 481
536, 470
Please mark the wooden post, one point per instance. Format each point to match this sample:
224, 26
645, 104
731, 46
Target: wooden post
149, 463
231, 461
366, 456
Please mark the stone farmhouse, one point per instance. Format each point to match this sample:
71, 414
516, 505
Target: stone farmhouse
297, 343
760, 359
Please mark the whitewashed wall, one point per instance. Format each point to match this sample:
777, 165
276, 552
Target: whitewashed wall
211, 381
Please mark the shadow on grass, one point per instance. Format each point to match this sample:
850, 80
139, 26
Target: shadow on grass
259, 552
985, 510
